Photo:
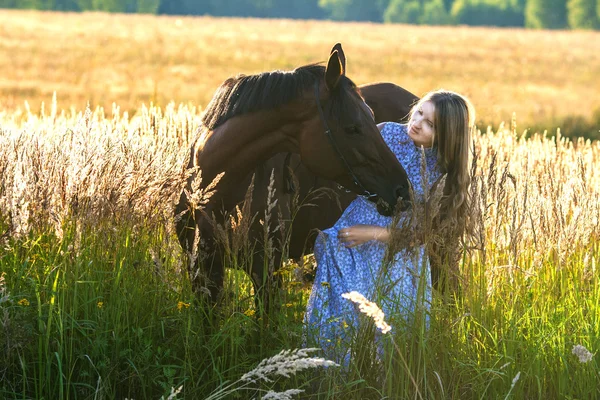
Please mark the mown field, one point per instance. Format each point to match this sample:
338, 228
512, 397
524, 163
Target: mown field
94, 299
548, 79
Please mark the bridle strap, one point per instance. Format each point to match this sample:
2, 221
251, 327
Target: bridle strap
333, 143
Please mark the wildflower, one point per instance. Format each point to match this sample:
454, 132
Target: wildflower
514, 381
4, 296
100, 304
286, 363
370, 309
23, 302
582, 353
181, 305
287, 395
289, 305
249, 312
174, 393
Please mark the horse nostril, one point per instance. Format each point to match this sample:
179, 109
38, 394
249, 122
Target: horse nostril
400, 192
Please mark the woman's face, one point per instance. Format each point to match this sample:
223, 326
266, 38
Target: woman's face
420, 127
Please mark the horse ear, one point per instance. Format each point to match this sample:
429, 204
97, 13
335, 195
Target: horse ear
338, 47
334, 70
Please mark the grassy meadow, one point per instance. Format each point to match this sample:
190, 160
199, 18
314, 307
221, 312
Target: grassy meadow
548, 78
95, 302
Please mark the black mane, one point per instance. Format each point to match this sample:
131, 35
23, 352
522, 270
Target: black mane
249, 93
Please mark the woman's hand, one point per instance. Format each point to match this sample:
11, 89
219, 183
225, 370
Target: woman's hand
359, 234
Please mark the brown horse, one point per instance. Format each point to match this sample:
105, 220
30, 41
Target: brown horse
389, 102
313, 111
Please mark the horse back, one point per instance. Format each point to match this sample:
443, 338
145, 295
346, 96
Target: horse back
388, 101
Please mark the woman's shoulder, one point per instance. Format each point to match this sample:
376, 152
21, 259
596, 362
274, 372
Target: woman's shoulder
391, 126
396, 138
394, 133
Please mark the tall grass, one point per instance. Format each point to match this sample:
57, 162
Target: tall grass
95, 301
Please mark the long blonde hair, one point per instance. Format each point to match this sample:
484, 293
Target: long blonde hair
454, 118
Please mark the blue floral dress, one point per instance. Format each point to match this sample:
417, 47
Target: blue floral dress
393, 285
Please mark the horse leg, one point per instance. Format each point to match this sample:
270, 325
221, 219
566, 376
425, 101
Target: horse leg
212, 273
204, 262
206, 273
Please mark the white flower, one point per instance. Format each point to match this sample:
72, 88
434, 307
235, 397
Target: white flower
174, 393
582, 353
287, 395
370, 309
515, 379
286, 363
505, 365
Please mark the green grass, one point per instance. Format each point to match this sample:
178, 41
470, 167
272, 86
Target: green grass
100, 322
95, 301
103, 320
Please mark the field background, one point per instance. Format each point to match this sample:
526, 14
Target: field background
548, 78
95, 301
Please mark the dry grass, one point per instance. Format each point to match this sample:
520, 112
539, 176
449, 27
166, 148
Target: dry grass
57, 167
535, 196
543, 76
536, 200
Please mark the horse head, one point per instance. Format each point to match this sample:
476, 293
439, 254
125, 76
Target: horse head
341, 141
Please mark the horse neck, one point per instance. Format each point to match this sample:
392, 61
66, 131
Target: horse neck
240, 144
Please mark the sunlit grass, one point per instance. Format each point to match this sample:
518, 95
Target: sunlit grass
95, 299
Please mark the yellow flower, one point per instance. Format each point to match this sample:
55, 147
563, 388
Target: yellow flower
249, 313
100, 304
23, 302
181, 305
288, 305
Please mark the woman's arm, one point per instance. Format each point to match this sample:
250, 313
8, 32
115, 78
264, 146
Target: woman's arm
359, 234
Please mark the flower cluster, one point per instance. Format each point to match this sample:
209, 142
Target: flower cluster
23, 302
582, 353
370, 309
287, 395
4, 296
286, 363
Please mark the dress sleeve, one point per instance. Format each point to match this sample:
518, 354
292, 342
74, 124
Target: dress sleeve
396, 138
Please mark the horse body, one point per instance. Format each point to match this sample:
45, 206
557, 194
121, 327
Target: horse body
314, 112
262, 133
388, 101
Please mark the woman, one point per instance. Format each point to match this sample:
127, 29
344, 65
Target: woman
351, 256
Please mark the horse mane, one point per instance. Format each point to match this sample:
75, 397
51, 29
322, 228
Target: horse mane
265, 91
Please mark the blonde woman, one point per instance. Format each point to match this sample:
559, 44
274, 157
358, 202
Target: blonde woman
351, 255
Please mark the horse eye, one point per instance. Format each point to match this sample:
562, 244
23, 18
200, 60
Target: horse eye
353, 130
